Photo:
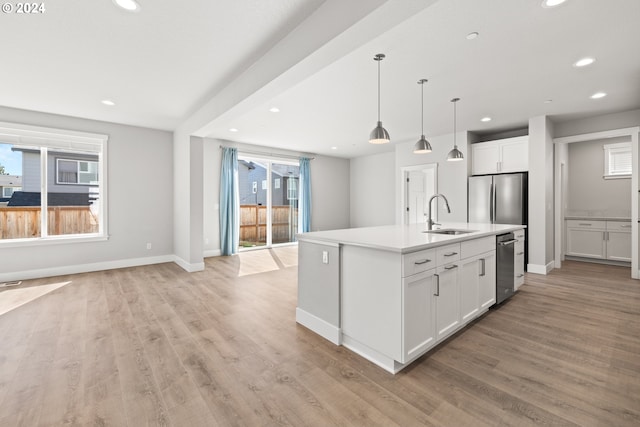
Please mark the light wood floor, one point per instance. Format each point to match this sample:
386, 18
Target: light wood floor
158, 346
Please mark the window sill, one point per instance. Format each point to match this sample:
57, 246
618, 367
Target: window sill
616, 176
52, 240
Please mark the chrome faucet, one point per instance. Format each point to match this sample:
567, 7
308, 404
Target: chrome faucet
430, 222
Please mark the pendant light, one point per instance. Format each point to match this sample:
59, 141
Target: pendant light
379, 135
455, 154
422, 146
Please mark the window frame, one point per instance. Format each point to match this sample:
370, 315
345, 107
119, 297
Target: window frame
609, 150
52, 140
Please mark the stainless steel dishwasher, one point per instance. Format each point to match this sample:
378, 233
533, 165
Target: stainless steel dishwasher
505, 280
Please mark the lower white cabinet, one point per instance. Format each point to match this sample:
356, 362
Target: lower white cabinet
419, 314
447, 300
477, 284
518, 259
607, 240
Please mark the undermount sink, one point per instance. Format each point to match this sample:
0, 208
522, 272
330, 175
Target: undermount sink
448, 231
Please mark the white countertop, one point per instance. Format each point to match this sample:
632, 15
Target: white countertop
405, 238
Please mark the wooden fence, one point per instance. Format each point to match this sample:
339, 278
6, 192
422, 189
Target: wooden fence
253, 224
21, 222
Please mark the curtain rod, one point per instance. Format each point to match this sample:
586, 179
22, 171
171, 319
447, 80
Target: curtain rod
262, 153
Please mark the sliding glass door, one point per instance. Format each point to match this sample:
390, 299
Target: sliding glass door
268, 201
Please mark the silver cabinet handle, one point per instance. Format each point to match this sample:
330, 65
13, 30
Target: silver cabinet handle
520, 275
586, 224
451, 267
626, 226
451, 254
483, 262
520, 253
424, 261
508, 242
437, 294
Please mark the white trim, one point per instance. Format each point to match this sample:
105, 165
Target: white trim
540, 269
84, 268
212, 252
319, 326
597, 135
188, 267
379, 359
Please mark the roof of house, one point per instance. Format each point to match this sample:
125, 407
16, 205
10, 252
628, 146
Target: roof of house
25, 198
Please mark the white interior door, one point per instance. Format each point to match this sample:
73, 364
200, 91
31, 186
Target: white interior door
419, 183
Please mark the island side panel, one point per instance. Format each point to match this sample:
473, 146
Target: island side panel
319, 289
371, 289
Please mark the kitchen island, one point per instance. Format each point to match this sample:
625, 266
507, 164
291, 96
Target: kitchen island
391, 293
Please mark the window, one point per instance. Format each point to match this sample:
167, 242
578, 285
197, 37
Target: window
63, 185
617, 160
7, 192
292, 189
76, 172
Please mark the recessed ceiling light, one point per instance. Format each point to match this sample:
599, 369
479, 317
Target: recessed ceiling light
274, 109
129, 5
552, 3
584, 62
108, 102
598, 95
473, 35
485, 119
334, 148
233, 130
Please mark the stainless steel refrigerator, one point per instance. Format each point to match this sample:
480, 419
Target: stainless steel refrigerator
499, 199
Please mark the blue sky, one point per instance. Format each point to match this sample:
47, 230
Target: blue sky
11, 161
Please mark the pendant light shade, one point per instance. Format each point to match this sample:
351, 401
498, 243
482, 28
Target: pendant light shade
379, 134
422, 146
455, 154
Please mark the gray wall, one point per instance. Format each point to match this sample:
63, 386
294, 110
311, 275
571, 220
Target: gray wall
140, 200
588, 191
372, 188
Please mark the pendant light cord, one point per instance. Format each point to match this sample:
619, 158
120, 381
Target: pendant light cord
379, 59
422, 110
454, 125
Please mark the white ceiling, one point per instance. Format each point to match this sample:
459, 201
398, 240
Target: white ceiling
223, 64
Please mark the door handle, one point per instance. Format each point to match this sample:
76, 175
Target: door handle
437, 294
483, 262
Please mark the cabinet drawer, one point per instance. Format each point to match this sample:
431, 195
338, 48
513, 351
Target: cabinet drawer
418, 262
477, 246
586, 224
619, 226
447, 254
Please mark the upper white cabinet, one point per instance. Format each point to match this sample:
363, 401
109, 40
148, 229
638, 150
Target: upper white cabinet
501, 156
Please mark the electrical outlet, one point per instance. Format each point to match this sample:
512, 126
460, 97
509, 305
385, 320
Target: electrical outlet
325, 257
148, 245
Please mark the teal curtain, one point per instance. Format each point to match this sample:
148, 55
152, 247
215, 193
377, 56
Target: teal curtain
229, 202
304, 200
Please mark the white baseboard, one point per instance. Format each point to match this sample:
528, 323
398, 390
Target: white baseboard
540, 269
188, 267
212, 252
84, 268
319, 326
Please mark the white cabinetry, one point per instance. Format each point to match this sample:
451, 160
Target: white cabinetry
501, 156
607, 240
395, 307
518, 259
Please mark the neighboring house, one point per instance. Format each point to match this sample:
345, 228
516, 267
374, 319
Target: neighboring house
72, 181
8, 185
252, 186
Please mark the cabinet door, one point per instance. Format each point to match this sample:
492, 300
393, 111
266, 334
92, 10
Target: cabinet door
418, 325
518, 260
447, 300
470, 270
619, 246
484, 158
514, 155
487, 280
585, 243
